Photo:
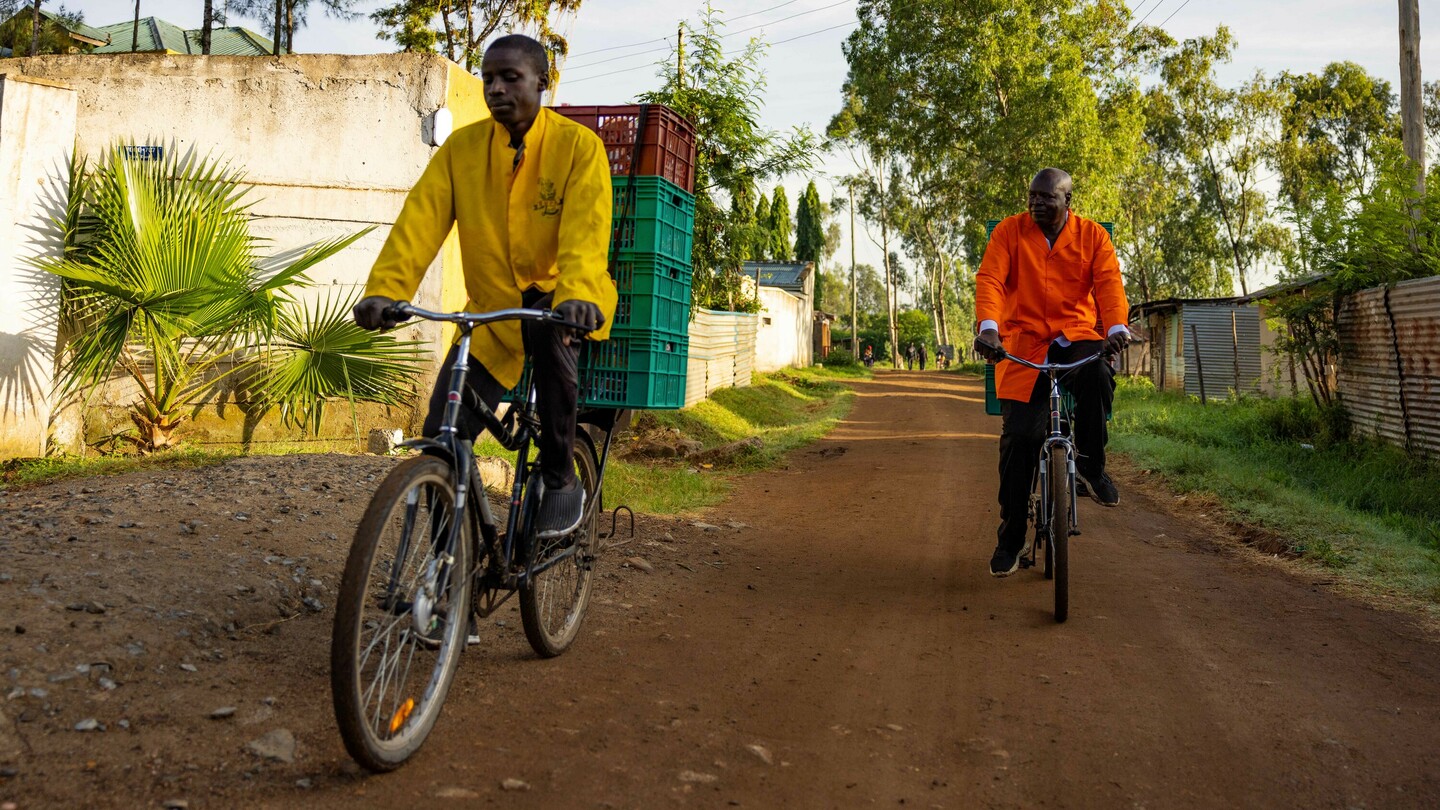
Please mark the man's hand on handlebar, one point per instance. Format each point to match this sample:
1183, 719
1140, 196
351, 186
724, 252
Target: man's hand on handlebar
583, 313
1117, 342
988, 345
373, 313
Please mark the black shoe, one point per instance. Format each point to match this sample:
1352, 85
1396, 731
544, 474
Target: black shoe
561, 511
1101, 489
1004, 563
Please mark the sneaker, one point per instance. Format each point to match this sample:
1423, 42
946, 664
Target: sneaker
1101, 489
1004, 563
561, 511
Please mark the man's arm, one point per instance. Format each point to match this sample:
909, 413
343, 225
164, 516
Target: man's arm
419, 231
1110, 293
585, 238
990, 289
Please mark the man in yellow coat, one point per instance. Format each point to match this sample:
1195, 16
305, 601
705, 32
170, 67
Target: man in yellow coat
1047, 278
529, 191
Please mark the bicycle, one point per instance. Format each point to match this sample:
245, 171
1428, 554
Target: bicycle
1054, 485
428, 558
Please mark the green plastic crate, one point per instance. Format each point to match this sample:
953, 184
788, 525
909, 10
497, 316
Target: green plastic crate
654, 294
656, 217
643, 369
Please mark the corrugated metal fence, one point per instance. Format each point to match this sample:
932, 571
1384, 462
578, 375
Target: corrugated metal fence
1229, 341
1389, 364
722, 352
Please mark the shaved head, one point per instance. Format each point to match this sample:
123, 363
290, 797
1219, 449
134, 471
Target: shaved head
1049, 200
1053, 180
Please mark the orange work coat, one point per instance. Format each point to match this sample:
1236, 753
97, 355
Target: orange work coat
1036, 293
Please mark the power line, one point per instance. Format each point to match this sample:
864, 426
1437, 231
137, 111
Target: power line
722, 36
1173, 13
1147, 14
653, 41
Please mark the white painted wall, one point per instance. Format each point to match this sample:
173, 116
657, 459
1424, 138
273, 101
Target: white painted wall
784, 337
37, 127
332, 144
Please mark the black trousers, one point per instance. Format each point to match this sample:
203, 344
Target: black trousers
557, 390
1026, 424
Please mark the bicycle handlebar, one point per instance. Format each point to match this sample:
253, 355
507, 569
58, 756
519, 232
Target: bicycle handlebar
1050, 366
404, 310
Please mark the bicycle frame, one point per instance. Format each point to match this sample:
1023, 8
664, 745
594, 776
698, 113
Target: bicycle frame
1058, 438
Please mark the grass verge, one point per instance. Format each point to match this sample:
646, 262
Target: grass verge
1289, 470
779, 412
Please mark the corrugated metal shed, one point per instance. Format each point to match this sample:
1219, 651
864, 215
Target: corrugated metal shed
1229, 338
1227, 331
1389, 364
157, 35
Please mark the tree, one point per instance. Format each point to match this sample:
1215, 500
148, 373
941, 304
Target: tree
810, 227
1334, 126
780, 227
1231, 145
286, 16
458, 29
165, 284
722, 92
33, 34
760, 250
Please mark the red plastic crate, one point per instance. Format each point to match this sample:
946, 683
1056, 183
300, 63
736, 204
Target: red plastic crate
667, 150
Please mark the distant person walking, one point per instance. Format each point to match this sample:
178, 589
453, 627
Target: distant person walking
924, 354
910, 356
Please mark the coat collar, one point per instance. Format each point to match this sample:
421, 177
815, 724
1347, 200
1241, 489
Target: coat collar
500, 148
1067, 233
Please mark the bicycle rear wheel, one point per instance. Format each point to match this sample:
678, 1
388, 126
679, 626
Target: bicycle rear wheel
401, 615
1057, 555
553, 600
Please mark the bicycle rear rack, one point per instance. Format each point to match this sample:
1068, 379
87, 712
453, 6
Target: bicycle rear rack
614, 529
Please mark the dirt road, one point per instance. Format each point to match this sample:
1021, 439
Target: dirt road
829, 638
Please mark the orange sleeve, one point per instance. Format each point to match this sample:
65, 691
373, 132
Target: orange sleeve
993, 273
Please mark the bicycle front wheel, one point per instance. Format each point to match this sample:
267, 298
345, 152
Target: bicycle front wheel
401, 615
553, 598
1057, 556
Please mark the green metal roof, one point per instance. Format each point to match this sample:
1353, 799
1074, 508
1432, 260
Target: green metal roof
155, 34
74, 28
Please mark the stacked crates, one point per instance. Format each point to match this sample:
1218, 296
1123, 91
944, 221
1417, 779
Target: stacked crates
651, 150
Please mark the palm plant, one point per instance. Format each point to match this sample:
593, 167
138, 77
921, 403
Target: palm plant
166, 285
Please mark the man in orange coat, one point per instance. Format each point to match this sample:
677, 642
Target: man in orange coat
1047, 278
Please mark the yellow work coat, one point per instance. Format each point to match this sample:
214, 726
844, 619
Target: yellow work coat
1036, 293
545, 225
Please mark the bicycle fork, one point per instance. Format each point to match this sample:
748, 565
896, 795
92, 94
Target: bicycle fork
1073, 515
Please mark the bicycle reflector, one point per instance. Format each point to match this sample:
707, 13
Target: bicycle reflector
397, 721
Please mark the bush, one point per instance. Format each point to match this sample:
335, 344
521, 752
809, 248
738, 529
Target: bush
839, 358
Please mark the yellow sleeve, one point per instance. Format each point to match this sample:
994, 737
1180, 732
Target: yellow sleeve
1109, 284
418, 234
585, 232
991, 277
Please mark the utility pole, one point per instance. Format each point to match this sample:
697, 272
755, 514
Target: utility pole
854, 291
680, 55
1411, 113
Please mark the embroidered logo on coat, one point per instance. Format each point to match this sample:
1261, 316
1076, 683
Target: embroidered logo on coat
550, 201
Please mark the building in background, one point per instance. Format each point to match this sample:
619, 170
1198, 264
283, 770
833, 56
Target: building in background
787, 313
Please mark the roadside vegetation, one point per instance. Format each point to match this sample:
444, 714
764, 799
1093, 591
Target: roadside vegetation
735, 431
1288, 471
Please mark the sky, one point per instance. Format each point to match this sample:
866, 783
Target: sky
614, 45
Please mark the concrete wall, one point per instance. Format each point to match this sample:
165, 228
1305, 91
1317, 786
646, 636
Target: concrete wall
784, 338
331, 143
37, 127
